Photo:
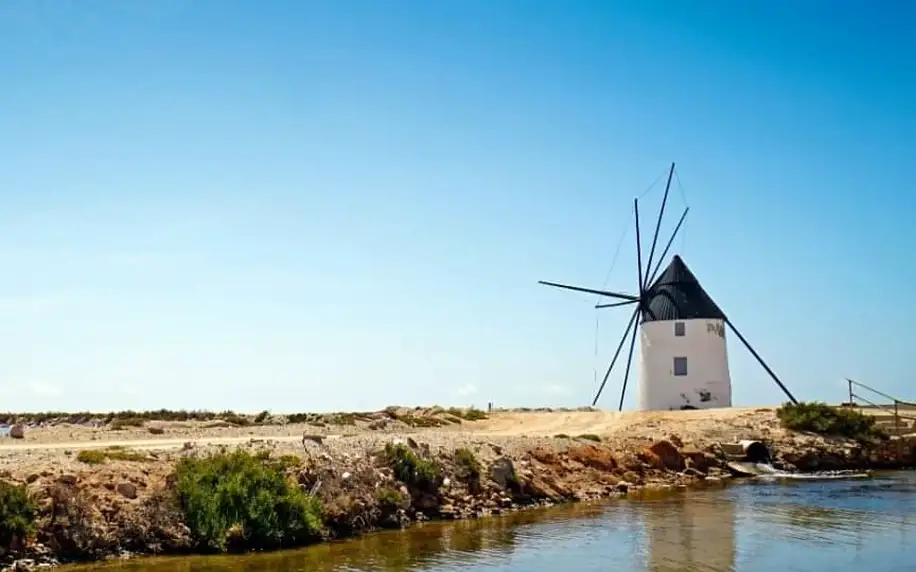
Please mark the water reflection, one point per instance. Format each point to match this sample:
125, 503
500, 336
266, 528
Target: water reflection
803, 526
689, 533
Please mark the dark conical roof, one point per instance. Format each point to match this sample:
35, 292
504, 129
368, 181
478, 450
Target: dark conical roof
677, 295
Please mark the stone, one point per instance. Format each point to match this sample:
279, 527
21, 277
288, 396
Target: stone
127, 490
502, 471
668, 456
68, 479
17, 431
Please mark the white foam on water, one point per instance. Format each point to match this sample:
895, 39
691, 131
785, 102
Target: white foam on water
768, 471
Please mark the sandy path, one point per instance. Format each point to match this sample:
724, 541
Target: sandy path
602, 422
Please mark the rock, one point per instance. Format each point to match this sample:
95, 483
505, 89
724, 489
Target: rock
17, 431
623, 486
67, 479
155, 430
502, 471
31, 478
24, 565
594, 457
426, 501
127, 490
696, 459
668, 456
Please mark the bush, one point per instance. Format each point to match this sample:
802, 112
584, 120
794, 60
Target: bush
91, 457
17, 514
390, 500
236, 500
469, 469
828, 420
114, 453
590, 437
420, 474
123, 423
471, 414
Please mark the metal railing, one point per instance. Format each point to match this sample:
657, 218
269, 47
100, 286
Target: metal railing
893, 408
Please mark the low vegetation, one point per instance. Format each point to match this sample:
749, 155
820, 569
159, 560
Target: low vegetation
113, 453
590, 437
824, 419
390, 500
126, 418
469, 468
470, 414
240, 501
17, 514
419, 417
410, 469
120, 423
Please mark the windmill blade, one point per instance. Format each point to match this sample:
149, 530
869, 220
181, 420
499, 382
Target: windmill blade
667, 247
590, 291
639, 279
761, 362
615, 304
616, 355
658, 223
626, 375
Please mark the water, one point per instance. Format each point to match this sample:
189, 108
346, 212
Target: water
764, 525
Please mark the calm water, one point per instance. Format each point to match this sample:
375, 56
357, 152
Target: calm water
792, 525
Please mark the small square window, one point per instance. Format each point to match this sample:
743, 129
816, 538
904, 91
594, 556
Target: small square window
680, 366
679, 328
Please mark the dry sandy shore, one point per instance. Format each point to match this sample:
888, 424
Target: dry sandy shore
55, 446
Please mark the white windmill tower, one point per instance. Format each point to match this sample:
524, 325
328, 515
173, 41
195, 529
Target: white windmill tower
682, 350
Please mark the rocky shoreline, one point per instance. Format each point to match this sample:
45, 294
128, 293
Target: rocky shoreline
118, 502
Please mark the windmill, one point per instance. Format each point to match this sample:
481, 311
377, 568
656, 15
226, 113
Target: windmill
682, 349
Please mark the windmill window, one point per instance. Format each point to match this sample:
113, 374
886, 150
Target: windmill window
680, 366
679, 328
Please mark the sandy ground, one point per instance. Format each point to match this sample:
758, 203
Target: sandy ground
54, 446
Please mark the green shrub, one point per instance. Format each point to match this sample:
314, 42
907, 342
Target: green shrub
118, 424
235, 500
469, 468
590, 437
114, 453
91, 457
262, 417
420, 474
289, 461
390, 500
471, 414
17, 513
828, 420
299, 417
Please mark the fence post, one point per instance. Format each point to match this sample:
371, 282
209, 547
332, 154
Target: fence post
849, 381
897, 429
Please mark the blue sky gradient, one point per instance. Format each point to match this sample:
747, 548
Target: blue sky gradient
324, 205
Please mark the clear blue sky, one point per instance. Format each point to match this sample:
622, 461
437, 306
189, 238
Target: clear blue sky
295, 205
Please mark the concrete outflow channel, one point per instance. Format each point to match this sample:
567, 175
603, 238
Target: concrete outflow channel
750, 458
